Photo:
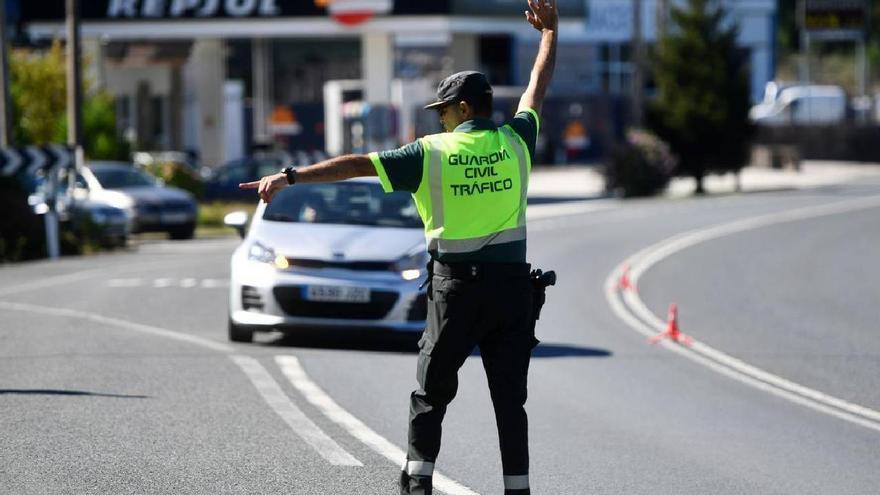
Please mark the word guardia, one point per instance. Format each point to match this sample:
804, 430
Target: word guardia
490, 159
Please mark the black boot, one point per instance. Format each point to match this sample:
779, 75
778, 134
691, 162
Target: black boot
415, 485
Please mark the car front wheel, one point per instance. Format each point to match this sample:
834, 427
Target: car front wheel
240, 333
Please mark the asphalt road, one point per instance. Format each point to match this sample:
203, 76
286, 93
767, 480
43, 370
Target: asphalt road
116, 377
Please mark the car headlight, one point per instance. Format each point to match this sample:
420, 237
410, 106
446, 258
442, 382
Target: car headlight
264, 254
412, 266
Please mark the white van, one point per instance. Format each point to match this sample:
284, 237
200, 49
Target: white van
801, 104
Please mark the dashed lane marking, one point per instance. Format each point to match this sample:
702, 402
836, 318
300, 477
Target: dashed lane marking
633, 311
162, 283
292, 415
317, 397
137, 327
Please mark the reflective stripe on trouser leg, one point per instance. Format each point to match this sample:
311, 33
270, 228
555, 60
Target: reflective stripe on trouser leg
419, 468
519, 482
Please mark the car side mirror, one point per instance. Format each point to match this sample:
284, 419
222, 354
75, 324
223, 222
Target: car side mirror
237, 220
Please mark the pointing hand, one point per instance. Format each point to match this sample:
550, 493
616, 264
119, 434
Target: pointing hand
268, 186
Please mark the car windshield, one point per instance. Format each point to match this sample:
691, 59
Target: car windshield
118, 178
346, 203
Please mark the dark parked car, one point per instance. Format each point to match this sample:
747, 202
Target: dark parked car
156, 207
224, 180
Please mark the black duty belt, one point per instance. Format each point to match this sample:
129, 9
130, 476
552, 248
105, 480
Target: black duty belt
481, 270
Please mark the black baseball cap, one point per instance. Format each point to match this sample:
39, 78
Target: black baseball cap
461, 86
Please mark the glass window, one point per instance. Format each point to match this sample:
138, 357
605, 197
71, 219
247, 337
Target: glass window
346, 203
117, 178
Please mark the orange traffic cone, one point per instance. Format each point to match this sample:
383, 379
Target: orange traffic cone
672, 332
625, 283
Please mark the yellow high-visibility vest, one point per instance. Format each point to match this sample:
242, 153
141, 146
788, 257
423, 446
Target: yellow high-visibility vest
473, 189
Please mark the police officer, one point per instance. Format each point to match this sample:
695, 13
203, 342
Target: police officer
469, 185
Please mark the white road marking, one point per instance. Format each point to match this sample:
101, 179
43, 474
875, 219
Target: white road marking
292, 415
294, 372
50, 281
137, 327
565, 208
213, 283
164, 283
650, 324
125, 282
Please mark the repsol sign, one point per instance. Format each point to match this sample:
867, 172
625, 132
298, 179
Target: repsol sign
150, 10
191, 8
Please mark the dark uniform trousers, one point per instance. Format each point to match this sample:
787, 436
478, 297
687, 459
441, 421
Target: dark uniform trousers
474, 305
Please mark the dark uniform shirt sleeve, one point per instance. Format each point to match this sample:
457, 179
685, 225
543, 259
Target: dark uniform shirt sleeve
526, 124
400, 169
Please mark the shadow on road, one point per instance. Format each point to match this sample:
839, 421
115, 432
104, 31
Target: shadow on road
564, 350
348, 340
547, 200
371, 341
67, 392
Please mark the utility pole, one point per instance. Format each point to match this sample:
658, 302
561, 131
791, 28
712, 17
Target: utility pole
638, 79
74, 127
74, 71
5, 103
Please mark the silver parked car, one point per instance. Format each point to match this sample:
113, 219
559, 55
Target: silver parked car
156, 207
329, 255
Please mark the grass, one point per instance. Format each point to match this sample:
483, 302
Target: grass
211, 214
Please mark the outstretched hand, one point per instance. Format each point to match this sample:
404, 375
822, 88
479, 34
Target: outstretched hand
543, 14
268, 186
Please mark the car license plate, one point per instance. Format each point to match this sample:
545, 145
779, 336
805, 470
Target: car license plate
175, 217
330, 293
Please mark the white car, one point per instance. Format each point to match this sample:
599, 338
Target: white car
343, 254
799, 105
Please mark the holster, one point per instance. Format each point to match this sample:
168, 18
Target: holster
540, 282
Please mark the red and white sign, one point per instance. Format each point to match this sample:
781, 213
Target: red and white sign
354, 12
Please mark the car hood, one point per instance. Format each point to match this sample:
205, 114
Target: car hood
338, 242
150, 194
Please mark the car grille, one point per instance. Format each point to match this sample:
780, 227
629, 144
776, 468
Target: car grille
291, 300
369, 266
418, 310
178, 206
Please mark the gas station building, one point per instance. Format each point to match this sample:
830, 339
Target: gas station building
220, 76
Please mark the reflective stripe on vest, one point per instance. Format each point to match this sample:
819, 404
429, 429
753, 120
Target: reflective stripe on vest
435, 215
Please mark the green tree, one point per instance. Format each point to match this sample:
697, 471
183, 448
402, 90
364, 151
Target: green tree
703, 93
37, 90
39, 97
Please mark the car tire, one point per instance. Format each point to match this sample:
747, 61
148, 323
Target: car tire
240, 333
182, 233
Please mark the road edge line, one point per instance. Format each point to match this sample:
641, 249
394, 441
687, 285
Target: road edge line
293, 370
632, 310
295, 418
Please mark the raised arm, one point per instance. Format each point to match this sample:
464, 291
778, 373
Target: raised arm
332, 170
543, 17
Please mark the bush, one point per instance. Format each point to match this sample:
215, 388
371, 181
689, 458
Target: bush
177, 175
641, 166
